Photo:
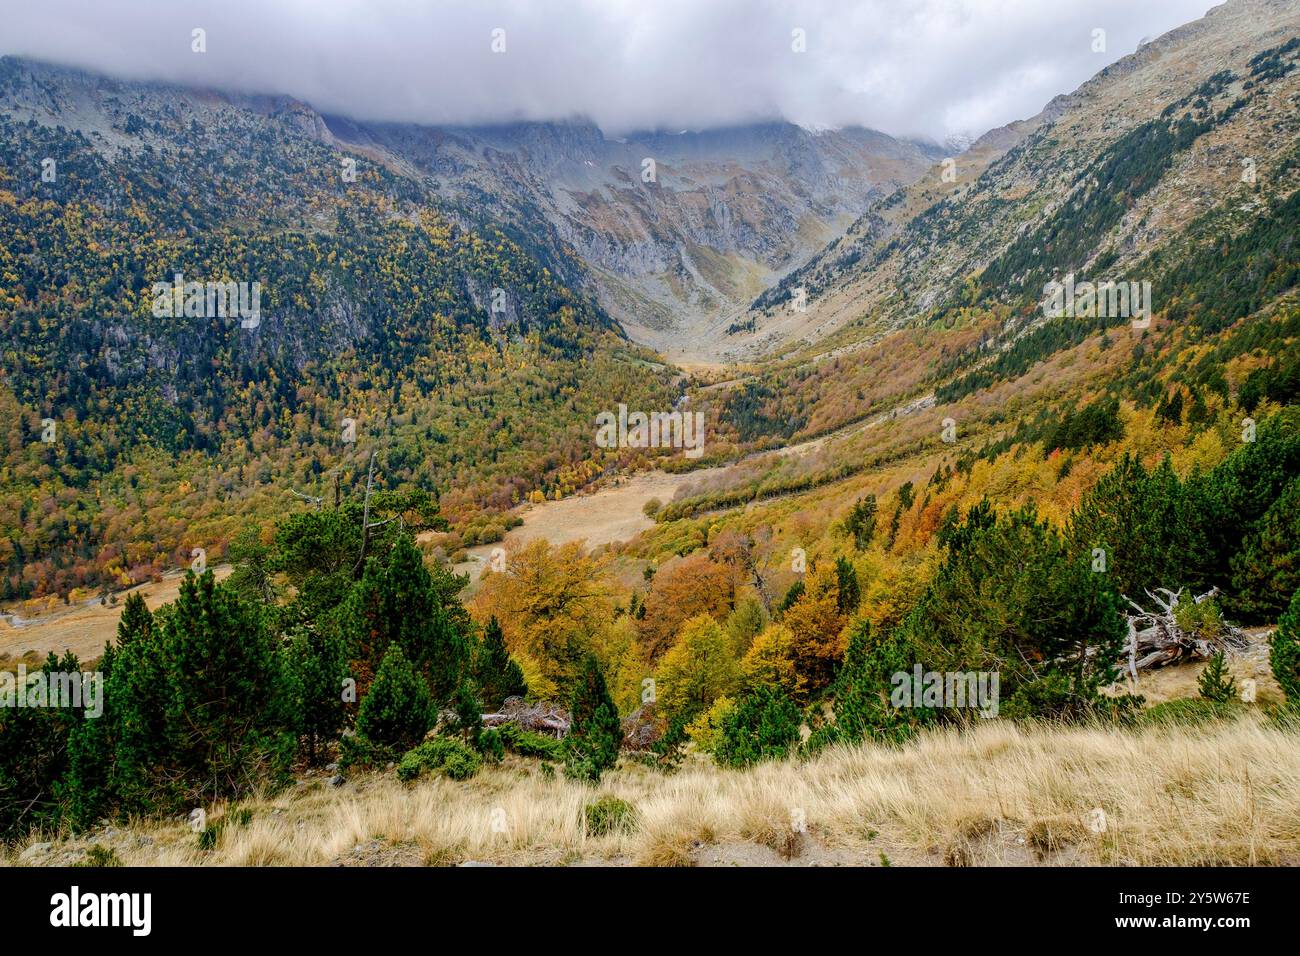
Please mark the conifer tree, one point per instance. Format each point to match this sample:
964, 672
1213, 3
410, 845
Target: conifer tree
317, 668
1284, 652
1215, 683
850, 595
34, 757
86, 791
469, 718
397, 712
228, 708
397, 602
1266, 571
861, 522
862, 689
595, 733
792, 596
496, 673
136, 695
136, 623
764, 725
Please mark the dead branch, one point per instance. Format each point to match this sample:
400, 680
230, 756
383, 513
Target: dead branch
539, 717
1155, 638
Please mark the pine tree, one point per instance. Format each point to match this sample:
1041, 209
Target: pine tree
850, 595
595, 733
398, 602
228, 711
34, 758
469, 717
1215, 683
905, 499
85, 790
397, 712
862, 688
764, 725
1149, 525
136, 696
317, 668
861, 522
1266, 572
136, 623
1284, 652
496, 673
792, 596
975, 616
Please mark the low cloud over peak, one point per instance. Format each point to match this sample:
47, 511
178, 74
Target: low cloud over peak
933, 68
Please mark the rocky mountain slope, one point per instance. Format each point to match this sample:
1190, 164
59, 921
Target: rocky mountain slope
675, 231
378, 318
1199, 122
1177, 166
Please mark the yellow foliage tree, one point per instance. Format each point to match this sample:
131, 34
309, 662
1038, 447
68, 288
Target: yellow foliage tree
697, 670
770, 662
554, 606
816, 628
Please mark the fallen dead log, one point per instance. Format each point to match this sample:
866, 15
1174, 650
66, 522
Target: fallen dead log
539, 717
1155, 638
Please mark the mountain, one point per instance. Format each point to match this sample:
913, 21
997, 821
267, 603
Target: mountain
1124, 165
464, 298
1022, 438
1177, 166
377, 317
675, 232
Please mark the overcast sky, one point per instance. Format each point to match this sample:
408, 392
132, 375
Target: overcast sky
909, 67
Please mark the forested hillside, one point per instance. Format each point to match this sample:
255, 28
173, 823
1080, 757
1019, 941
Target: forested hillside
1085, 521
459, 359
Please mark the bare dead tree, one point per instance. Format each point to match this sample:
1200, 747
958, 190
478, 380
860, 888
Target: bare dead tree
1155, 638
367, 525
311, 499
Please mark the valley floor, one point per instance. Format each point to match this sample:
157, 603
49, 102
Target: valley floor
1222, 793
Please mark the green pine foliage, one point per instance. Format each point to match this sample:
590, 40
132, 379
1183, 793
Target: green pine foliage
849, 593
34, 758
317, 668
792, 596
447, 756
596, 733
861, 522
496, 673
85, 789
1013, 597
396, 602
1149, 525
862, 705
1094, 424
1284, 652
1215, 683
136, 623
468, 721
398, 711
1266, 571
228, 703
764, 725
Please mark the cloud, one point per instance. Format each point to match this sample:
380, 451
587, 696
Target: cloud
908, 67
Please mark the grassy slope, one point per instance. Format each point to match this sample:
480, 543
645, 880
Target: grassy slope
1225, 793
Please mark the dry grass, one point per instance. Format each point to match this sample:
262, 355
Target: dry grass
1225, 793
